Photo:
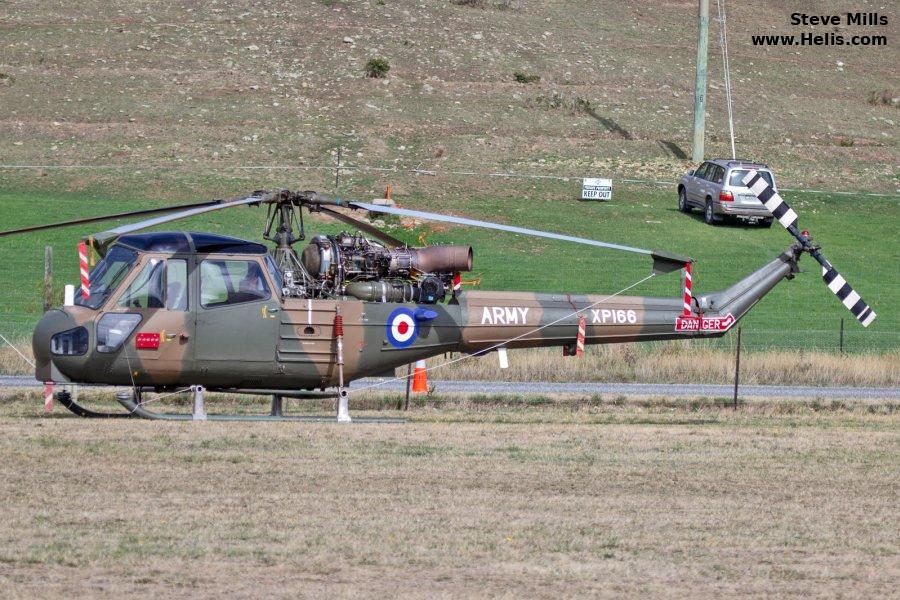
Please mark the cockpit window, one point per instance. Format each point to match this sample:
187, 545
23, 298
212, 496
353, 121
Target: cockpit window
107, 276
148, 288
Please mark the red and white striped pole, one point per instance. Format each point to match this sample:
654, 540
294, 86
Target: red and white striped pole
579, 341
687, 291
83, 266
457, 283
48, 396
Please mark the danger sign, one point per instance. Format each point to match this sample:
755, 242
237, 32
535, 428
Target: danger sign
694, 323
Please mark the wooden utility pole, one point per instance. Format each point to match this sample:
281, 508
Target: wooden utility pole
48, 277
700, 82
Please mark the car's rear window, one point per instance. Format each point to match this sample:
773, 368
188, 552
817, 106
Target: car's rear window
737, 176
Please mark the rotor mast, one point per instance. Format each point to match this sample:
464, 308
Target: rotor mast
283, 216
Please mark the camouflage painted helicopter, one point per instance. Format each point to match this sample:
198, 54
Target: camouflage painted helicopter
163, 311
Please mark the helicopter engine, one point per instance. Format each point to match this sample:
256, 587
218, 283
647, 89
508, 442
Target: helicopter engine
354, 265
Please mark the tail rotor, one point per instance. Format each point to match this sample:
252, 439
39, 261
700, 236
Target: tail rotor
788, 218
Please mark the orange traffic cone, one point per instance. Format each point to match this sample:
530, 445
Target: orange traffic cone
420, 379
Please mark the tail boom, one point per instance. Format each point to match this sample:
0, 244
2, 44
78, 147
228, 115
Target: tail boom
529, 320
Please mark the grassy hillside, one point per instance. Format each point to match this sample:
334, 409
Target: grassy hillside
281, 82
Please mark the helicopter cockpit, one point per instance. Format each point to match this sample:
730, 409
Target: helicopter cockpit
163, 284
158, 287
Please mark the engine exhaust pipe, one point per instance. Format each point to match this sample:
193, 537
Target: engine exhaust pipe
434, 259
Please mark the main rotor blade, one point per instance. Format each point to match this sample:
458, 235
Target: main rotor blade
133, 213
663, 262
105, 237
388, 239
788, 218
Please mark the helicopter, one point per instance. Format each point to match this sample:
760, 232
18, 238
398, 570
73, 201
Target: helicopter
164, 311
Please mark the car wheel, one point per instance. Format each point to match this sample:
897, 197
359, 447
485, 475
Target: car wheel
708, 214
683, 205
767, 222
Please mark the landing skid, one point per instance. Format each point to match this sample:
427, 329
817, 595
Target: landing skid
65, 398
134, 406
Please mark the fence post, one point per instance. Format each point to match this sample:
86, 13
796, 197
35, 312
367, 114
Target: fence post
841, 338
48, 277
737, 368
408, 383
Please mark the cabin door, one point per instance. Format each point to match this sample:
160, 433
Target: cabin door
237, 314
155, 307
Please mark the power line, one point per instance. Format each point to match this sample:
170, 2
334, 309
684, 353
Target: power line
726, 66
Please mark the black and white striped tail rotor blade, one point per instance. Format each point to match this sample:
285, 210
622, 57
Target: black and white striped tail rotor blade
770, 199
788, 218
847, 295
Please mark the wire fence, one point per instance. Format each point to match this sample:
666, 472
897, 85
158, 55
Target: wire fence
842, 338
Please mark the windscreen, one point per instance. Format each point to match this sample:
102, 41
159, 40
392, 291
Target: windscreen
737, 177
107, 276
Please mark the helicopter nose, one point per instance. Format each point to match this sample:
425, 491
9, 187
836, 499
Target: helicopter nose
56, 334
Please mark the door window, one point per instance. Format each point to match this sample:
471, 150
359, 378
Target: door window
718, 174
176, 284
224, 282
148, 289
701, 172
274, 273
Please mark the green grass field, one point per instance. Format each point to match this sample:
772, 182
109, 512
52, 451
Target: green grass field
858, 234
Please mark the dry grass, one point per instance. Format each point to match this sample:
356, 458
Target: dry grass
667, 363
677, 363
658, 504
13, 364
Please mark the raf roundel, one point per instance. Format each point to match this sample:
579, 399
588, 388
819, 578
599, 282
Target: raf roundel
401, 328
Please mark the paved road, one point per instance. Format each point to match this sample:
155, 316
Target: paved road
626, 389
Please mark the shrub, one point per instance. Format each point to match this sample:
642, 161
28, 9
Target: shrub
557, 100
377, 68
884, 98
523, 77
582, 105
